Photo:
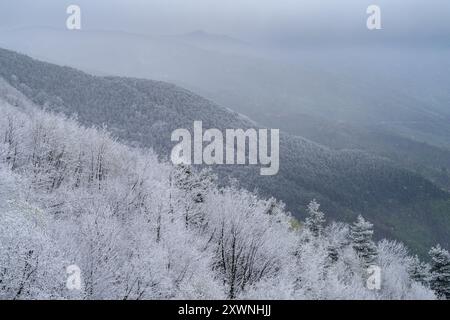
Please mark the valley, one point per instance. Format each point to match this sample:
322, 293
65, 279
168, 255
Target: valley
144, 113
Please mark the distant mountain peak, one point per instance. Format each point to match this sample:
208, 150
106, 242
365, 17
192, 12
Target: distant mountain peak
202, 35
197, 33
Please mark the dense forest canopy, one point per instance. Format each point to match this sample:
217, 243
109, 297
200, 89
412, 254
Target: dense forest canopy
143, 113
139, 228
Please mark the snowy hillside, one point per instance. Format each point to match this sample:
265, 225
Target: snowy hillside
141, 229
144, 113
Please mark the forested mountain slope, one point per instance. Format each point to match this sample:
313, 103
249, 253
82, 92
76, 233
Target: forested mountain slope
136, 228
401, 204
390, 100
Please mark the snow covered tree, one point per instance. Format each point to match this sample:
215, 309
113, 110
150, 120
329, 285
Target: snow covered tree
395, 273
194, 187
420, 271
275, 207
337, 240
361, 233
11, 141
316, 219
440, 271
139, 228
250, 246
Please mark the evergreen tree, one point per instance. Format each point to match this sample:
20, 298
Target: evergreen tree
274, 207
316, 219
336, 235
420, 271
361, 233
194, 187
440, 271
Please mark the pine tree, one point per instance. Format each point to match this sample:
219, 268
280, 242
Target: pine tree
440, 271
361, 233
336, 235
194, 186
274, 207
420, 271
316, 219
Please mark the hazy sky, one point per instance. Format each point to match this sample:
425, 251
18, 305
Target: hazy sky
274, 20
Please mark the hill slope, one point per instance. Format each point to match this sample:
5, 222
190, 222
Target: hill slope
324, 94
76, 204
400, 203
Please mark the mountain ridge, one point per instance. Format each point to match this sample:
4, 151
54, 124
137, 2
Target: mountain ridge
146, 112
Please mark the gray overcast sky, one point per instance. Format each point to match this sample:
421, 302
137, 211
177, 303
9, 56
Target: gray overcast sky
275, 20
